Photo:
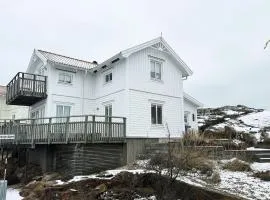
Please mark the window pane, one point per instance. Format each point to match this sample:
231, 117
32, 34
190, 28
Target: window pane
59, 111
153, 114
68, 78
158, 67
67, 111
61, 77
159, 114
110, 110
110, 76
152, 73
158, 70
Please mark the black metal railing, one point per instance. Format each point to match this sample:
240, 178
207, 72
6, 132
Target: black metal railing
26, 89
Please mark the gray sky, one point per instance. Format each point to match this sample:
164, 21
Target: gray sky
221, 41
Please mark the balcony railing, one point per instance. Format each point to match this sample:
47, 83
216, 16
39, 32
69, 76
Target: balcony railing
26, 89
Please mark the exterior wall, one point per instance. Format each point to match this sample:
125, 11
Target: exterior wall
191, 109
88, 93
8, 111
139, 120
143, 91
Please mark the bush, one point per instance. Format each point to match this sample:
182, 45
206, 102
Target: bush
265, 176
237, 165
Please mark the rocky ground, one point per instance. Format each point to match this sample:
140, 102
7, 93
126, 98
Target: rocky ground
123, 186
241, 122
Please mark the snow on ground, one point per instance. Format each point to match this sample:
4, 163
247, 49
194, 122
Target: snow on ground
241, 184
232, 112
260, 167
259, 120
13, 194
244, 185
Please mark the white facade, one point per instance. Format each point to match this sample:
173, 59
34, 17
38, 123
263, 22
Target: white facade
143, 84
8, 112
190, 112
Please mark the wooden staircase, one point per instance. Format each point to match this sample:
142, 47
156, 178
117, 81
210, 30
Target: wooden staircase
262, 156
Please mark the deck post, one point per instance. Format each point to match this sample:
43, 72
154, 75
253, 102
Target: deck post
93, 128
85, 128
16, 131
49, 130
125, 129
22, 89
66, 129
32, 131
34, 84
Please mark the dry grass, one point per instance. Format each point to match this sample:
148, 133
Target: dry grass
237, 165
265, 176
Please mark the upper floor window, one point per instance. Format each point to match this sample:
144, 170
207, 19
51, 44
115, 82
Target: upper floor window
155, 69
65, 78
108, 77
156, 114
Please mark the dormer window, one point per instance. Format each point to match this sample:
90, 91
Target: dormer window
155, 69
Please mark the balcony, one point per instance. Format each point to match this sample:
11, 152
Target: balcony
26, 89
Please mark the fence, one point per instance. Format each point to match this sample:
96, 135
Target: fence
72, 129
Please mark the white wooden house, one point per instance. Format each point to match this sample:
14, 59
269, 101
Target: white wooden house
8, 112
143, 83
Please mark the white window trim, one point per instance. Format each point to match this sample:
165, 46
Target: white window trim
104, 77
157, 103
65, 73
159, 60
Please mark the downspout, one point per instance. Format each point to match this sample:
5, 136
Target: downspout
85, 73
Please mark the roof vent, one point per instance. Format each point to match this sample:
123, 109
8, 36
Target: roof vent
95, 62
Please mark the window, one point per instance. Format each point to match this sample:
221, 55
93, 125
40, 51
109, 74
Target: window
193, 117
186, 117
108, 77
108, 112
65, 78
155, 69
62, 111
156, 114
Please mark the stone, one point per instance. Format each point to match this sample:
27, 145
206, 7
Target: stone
101, 188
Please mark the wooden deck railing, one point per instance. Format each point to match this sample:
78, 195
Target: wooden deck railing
57, 130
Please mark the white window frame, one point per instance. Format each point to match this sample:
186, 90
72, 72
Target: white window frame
156, 105
110, 77
156, 61
65, 75
62, 118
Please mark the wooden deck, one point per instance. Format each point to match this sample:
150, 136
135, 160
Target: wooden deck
63, 130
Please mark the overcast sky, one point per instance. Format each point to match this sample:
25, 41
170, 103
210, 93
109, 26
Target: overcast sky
221, 41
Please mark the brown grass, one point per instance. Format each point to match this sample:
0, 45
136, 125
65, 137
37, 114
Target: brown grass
237, 165
265, 176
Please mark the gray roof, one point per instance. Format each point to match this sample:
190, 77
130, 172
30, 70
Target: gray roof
64, 60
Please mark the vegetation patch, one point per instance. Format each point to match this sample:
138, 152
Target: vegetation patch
265, 176
237, 165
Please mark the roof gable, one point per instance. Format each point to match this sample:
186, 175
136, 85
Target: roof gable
192, 100
160, 44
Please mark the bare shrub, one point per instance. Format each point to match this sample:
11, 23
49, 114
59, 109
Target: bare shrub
237, 165
265, 176
214, 178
